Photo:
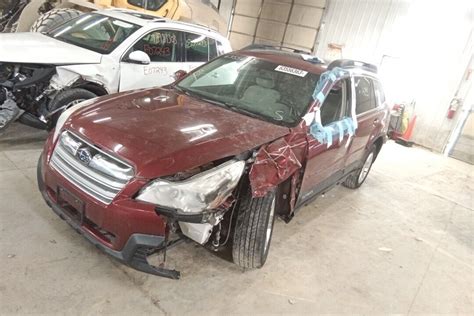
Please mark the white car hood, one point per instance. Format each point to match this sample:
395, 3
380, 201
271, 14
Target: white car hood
40, 49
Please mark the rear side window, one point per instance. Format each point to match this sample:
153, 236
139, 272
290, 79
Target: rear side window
365, 96
220, 48
379, 92
199, 48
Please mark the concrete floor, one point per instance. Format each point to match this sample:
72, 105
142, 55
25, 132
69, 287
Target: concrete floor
403, 243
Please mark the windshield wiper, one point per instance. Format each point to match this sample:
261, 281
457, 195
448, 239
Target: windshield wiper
247, 112
186, 91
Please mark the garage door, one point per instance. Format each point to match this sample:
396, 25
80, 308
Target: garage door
276, 22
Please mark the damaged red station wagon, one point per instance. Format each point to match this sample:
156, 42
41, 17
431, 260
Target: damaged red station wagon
215, 156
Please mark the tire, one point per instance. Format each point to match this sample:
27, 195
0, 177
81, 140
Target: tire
358, 177
10, 28
67, 98
253, 230
54, 18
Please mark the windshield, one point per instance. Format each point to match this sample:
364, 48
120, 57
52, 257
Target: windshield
96, 32
259, 88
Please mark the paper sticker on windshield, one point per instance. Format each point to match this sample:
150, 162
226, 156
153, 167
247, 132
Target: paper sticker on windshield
122, 24
291, 71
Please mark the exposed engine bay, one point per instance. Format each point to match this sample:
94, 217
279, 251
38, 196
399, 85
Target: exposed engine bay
25, 92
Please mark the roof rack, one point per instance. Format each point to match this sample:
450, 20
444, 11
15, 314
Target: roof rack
264, 46
199, 25
304, 54
349, 63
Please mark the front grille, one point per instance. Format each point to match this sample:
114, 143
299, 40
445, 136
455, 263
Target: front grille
103, 181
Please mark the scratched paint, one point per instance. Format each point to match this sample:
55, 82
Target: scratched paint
277, 161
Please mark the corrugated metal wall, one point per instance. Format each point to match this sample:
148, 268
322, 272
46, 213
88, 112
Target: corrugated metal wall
427, 46
360, 27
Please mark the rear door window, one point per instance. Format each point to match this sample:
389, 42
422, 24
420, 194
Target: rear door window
365, 96
199, 48
379, 93
220, 48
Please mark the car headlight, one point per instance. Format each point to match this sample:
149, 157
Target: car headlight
204, 191
67, 113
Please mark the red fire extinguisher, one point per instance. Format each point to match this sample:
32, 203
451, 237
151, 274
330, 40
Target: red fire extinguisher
453, 106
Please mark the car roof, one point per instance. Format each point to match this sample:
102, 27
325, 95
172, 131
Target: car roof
148, 20
302, 61
290, 59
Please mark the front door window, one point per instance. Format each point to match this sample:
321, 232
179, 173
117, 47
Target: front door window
163, 48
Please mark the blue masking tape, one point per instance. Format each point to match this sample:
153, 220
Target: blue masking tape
316, 130
349, 125
327, 77
325, 134
320, 97
340, 129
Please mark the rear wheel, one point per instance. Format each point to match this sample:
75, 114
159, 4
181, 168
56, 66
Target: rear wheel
253, 230
356, 179
54, 18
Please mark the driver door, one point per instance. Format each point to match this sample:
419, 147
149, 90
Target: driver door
163, 48
325, 161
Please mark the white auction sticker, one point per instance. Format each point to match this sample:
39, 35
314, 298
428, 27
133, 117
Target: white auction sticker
292, 71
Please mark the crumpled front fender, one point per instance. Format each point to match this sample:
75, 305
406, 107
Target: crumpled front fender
278, 160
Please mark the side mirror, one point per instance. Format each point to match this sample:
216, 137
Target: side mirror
139, 57
179, 74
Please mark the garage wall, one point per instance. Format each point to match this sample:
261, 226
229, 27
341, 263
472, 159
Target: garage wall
421, 47
291, 23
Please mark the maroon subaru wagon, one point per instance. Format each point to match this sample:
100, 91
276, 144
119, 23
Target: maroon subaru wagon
214, 157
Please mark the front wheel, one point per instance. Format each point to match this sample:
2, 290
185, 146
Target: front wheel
65, 100
356, 179
253, 230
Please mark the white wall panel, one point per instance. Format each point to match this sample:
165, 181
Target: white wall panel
428, 44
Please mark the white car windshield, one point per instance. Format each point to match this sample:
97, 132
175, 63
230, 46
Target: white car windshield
96, 32
266, 90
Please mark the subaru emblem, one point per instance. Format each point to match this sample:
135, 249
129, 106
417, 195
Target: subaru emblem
84, 155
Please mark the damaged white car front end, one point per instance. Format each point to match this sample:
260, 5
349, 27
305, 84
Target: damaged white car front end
92, 55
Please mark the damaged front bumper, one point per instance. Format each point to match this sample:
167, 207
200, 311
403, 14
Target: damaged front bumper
136, 250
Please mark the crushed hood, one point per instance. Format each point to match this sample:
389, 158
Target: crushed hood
37, 48
161, 132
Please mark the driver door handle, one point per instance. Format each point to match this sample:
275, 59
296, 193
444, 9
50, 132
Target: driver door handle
376, 121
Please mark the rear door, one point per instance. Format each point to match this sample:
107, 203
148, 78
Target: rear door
164, 49
369, 118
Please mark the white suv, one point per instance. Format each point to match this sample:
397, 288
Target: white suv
92, 55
